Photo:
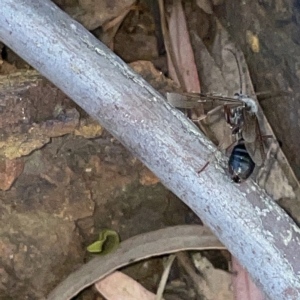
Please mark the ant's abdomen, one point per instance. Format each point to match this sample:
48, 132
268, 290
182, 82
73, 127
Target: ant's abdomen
240, 163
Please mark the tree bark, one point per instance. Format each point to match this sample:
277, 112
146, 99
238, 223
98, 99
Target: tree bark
255, 230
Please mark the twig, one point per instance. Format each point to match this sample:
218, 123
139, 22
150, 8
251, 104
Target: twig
164, 277
199, 283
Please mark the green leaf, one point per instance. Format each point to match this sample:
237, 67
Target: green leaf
108, 242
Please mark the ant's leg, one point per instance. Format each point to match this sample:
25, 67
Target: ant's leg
218, 148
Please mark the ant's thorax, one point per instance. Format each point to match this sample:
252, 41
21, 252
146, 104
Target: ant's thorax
250, 103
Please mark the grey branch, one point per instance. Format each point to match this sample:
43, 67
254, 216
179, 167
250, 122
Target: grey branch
255, 230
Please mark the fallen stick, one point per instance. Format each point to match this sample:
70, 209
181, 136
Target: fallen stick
255, 230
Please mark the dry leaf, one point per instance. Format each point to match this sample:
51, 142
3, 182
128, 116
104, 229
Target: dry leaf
94, 13
205, 5
110, 29
120, 286
243, 286
218, 281
181, 45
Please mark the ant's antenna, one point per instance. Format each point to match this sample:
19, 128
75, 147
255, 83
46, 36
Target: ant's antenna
238, 65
